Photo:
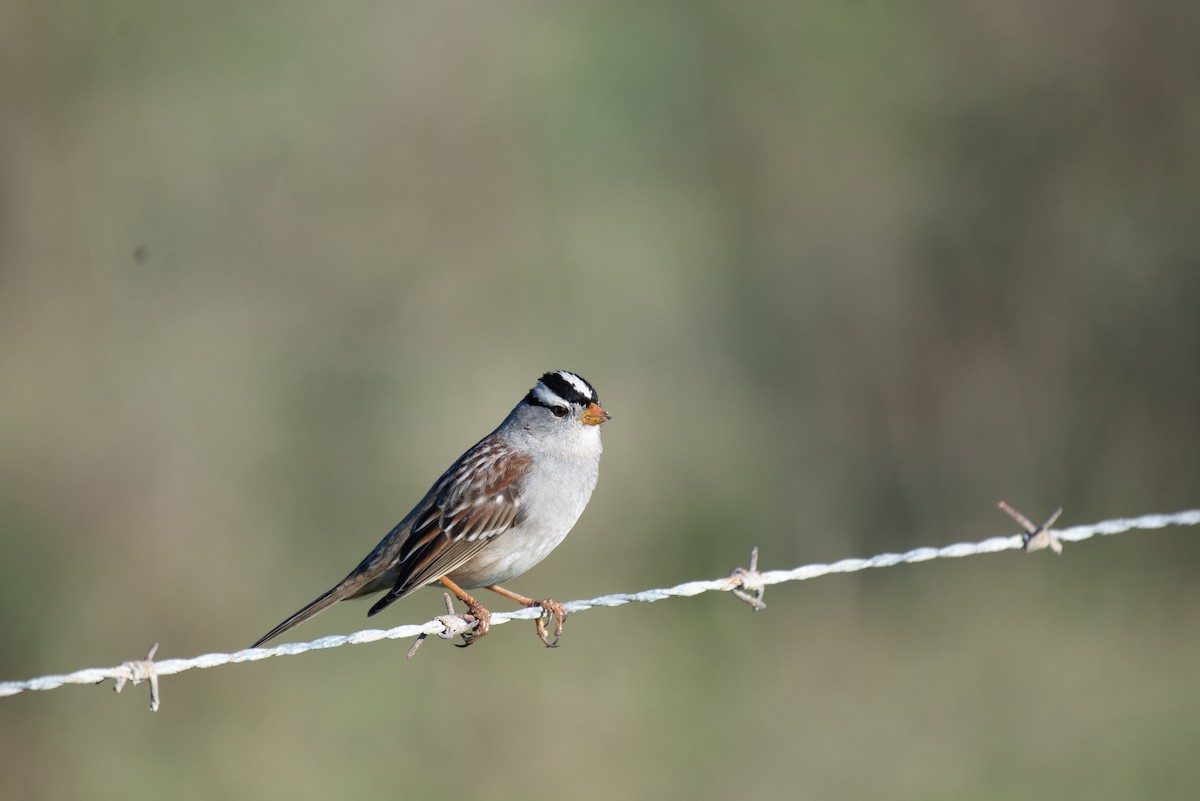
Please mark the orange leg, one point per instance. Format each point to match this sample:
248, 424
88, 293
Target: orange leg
549, 607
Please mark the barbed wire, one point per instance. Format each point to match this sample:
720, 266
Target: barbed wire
746, 583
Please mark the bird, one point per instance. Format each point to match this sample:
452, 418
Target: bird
497, 511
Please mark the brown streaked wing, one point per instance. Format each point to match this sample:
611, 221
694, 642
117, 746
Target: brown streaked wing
475, 501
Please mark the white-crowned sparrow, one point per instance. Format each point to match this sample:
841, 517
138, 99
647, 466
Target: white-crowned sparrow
498, 511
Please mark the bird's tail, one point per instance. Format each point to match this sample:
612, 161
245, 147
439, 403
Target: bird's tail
349, 587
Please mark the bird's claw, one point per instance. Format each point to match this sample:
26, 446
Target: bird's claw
483, 623
553, 609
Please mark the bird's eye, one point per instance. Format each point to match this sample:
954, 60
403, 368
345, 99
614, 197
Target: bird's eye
559, 411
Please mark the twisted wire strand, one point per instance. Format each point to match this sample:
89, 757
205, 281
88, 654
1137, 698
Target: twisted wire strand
743, 581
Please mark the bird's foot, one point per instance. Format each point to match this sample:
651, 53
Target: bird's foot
549, 607
553, 609
483, 621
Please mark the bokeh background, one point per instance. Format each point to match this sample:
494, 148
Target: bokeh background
845, 273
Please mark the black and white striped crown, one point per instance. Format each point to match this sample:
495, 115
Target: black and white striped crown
562, 387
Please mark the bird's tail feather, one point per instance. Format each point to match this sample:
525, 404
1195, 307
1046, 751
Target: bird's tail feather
349, 587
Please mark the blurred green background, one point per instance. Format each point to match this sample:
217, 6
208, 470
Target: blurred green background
846, 274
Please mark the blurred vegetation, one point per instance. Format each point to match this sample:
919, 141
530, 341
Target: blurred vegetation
846, 275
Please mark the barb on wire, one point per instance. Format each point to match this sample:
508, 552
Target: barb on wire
750, 586
1036, 537
453, 624
142, 670
747, 584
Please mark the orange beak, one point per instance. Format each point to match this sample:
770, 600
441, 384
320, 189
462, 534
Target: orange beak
593, 415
